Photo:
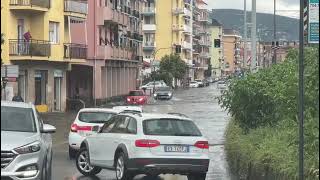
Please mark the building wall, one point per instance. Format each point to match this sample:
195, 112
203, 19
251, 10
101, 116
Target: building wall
216, 53
5, 30
229, 49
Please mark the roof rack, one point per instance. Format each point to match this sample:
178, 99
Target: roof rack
178, 114
131, 112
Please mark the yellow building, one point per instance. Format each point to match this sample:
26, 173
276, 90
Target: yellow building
167, 23
37, 40
216, 48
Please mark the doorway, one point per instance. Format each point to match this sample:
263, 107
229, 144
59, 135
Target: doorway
41, 81
58, 74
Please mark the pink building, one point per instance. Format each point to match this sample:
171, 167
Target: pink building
113, 33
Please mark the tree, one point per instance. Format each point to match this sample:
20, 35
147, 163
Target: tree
208, 73
174, 65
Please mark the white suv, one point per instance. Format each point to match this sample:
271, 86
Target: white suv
144, 143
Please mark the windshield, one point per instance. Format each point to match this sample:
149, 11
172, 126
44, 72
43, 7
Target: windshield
17, 119
164, 89
95, 117
136, 93
170, 127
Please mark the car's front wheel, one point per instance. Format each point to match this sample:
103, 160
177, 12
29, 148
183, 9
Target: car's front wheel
197, 176
83, 164
122, 172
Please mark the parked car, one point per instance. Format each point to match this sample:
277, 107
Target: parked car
163, 93
194, 84
136, 97
122, 109
150, 144
26, 143
83, 123
200, 82
155, 84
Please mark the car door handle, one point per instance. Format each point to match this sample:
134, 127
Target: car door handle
115, 142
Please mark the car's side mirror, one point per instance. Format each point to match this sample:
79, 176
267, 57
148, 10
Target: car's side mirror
96, 129
47, 128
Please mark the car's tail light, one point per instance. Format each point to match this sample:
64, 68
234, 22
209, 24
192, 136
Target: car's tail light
202, 144
76, 128
147, 143
140, 99
128, 99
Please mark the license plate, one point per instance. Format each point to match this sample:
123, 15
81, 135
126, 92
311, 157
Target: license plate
84, 133
184, 149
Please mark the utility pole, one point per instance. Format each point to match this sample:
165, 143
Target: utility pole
274, 33
253, 35
245, 53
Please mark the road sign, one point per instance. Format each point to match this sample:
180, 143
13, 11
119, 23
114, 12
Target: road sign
313, 30
10, 71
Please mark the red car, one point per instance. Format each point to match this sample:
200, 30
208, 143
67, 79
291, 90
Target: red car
137, 97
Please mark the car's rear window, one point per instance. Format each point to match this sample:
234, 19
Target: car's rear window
136, 93
170, 127
164, 89
17, 119
95, 117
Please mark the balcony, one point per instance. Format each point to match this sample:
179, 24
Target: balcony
204, 55
149, 45
149, 27
76, 8
204, 20
187, 12
177, 27
177, 11
75, 51
149, 11
187, 29
19, 49
186, 45
30, 5
205, 43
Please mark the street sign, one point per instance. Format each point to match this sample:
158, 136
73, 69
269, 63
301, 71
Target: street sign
313, 30
10, 71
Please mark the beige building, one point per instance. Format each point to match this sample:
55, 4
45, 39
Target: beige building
216, 48
231, 48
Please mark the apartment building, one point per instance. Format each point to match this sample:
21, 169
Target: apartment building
114, 50
231, 49
167, 24
37, 39
216, 48
201, 38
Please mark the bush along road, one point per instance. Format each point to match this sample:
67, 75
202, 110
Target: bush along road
262, 137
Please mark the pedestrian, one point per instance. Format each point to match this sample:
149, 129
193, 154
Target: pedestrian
17, 98
27, 38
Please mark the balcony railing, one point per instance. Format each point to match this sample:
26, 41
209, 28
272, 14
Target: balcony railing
20, 47
36, 3
76, 6
149, 10
149, 44
75, 51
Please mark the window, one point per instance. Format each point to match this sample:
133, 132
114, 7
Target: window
17, 119
121, 125
108, 126
54, 32
95, 117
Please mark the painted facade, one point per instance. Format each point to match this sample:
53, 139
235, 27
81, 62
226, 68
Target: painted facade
216, 48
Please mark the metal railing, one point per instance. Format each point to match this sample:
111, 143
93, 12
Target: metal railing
21, 47
37, 3
75, 51
76, 6
149, 10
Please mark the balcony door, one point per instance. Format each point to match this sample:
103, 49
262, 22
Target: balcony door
20, 29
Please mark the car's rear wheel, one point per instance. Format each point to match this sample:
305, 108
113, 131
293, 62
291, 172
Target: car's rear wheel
197, 176
122, 172
83, 164
72, 153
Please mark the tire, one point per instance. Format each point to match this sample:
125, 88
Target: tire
44, 172
197, 176
83, 164
122, 172
72, 153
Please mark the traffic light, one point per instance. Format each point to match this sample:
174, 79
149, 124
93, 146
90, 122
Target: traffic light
217, 43
178, 49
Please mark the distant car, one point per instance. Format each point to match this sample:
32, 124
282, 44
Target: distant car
163, 93
151, 85
123, 109
26, 143
83, 123
150, 144
136, 97
194, 84
222, 85
200, 82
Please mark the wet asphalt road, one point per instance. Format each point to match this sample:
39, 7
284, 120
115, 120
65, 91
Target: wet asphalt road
199, 104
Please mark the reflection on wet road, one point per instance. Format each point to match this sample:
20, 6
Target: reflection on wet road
199, 104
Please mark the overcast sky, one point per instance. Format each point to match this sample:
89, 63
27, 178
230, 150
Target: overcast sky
265, 6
